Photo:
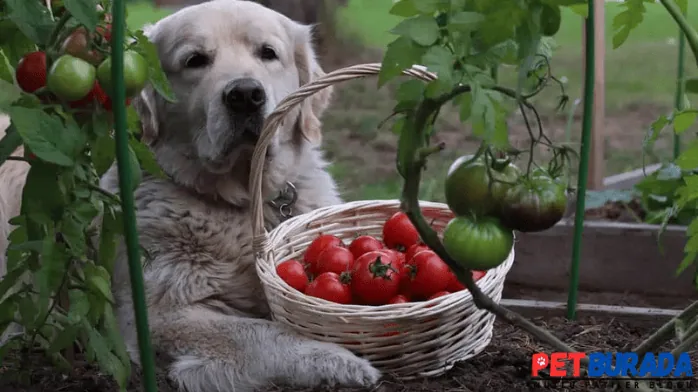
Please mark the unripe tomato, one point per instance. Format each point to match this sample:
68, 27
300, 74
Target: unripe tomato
477, 243
77, 45
470, 188
31, 71
550, 19
135, 73
535, 204
71, 78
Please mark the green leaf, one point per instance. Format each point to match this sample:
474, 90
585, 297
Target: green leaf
84, 11
466, 106
399, 55
114, 336
10, 280
64, 339
655, 130
404, 8
9, 94
14, 43
422, 29
625, 21
32, 19
44, 135
431, 6
103, 153
79, 305
691, 85
688, 160
109, 362
9, 143
465, 21
73, 233
410, 91
146, 158
7, 72
439, 60
156, 75
684, 120
97, 279
111, 227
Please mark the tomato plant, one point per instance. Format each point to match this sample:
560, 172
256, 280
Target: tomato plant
331, 287
58, 115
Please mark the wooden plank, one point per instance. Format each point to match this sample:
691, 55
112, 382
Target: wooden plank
547, 309
597, 162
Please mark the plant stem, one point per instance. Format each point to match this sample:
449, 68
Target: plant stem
691, 34
687, 341
665, 332
57, 29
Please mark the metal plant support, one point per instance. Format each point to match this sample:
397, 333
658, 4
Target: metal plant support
127, 203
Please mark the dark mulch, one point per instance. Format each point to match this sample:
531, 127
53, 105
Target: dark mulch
503, 367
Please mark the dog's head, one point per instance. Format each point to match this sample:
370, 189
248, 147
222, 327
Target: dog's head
229, 63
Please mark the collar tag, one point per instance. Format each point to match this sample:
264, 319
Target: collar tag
285, 201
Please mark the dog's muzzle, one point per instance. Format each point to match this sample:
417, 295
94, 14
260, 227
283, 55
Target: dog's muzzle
245, 99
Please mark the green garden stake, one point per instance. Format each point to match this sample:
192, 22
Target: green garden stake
127, 203
678, 98
583, 164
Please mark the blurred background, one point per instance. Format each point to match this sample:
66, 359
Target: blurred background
640, 86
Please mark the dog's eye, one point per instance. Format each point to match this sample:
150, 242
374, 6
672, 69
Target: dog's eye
197, 60
267, 53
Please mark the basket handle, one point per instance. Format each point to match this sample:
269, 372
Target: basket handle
274, 119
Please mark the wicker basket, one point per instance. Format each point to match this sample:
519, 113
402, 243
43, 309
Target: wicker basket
406, 340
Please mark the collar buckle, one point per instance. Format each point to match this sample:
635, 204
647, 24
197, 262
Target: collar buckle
285, 201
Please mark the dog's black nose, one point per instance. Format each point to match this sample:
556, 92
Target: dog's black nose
244, 95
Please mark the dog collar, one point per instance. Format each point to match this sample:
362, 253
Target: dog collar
285, 200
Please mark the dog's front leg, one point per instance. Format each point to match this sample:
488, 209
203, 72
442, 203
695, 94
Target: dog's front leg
219, 353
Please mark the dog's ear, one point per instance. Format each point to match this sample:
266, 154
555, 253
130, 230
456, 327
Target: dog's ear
308, 70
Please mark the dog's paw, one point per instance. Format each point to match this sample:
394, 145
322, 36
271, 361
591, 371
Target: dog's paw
330, 364
352, 371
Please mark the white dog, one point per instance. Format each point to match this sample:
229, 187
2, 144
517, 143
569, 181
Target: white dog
229, 63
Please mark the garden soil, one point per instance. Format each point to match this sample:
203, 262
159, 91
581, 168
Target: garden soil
504, 366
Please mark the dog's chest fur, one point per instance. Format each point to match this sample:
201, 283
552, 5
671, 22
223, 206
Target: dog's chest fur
199, 251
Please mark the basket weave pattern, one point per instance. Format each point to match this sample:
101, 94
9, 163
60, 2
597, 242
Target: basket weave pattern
409, 340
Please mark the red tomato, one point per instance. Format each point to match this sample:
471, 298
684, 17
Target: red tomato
31, 71
293, 273
364, 244
455, 285
316, 247
335, 259
331, 287
439, 294
399, 256
96, 94
427, 274
375, 278
399, 233
413, 250
399, 299
105, 31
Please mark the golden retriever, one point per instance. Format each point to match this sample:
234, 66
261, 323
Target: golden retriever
229, 63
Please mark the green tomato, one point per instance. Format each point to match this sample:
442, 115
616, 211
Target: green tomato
550, 19
534, 204
477, 243
135, 74
467, 188
136, 172
70, 78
